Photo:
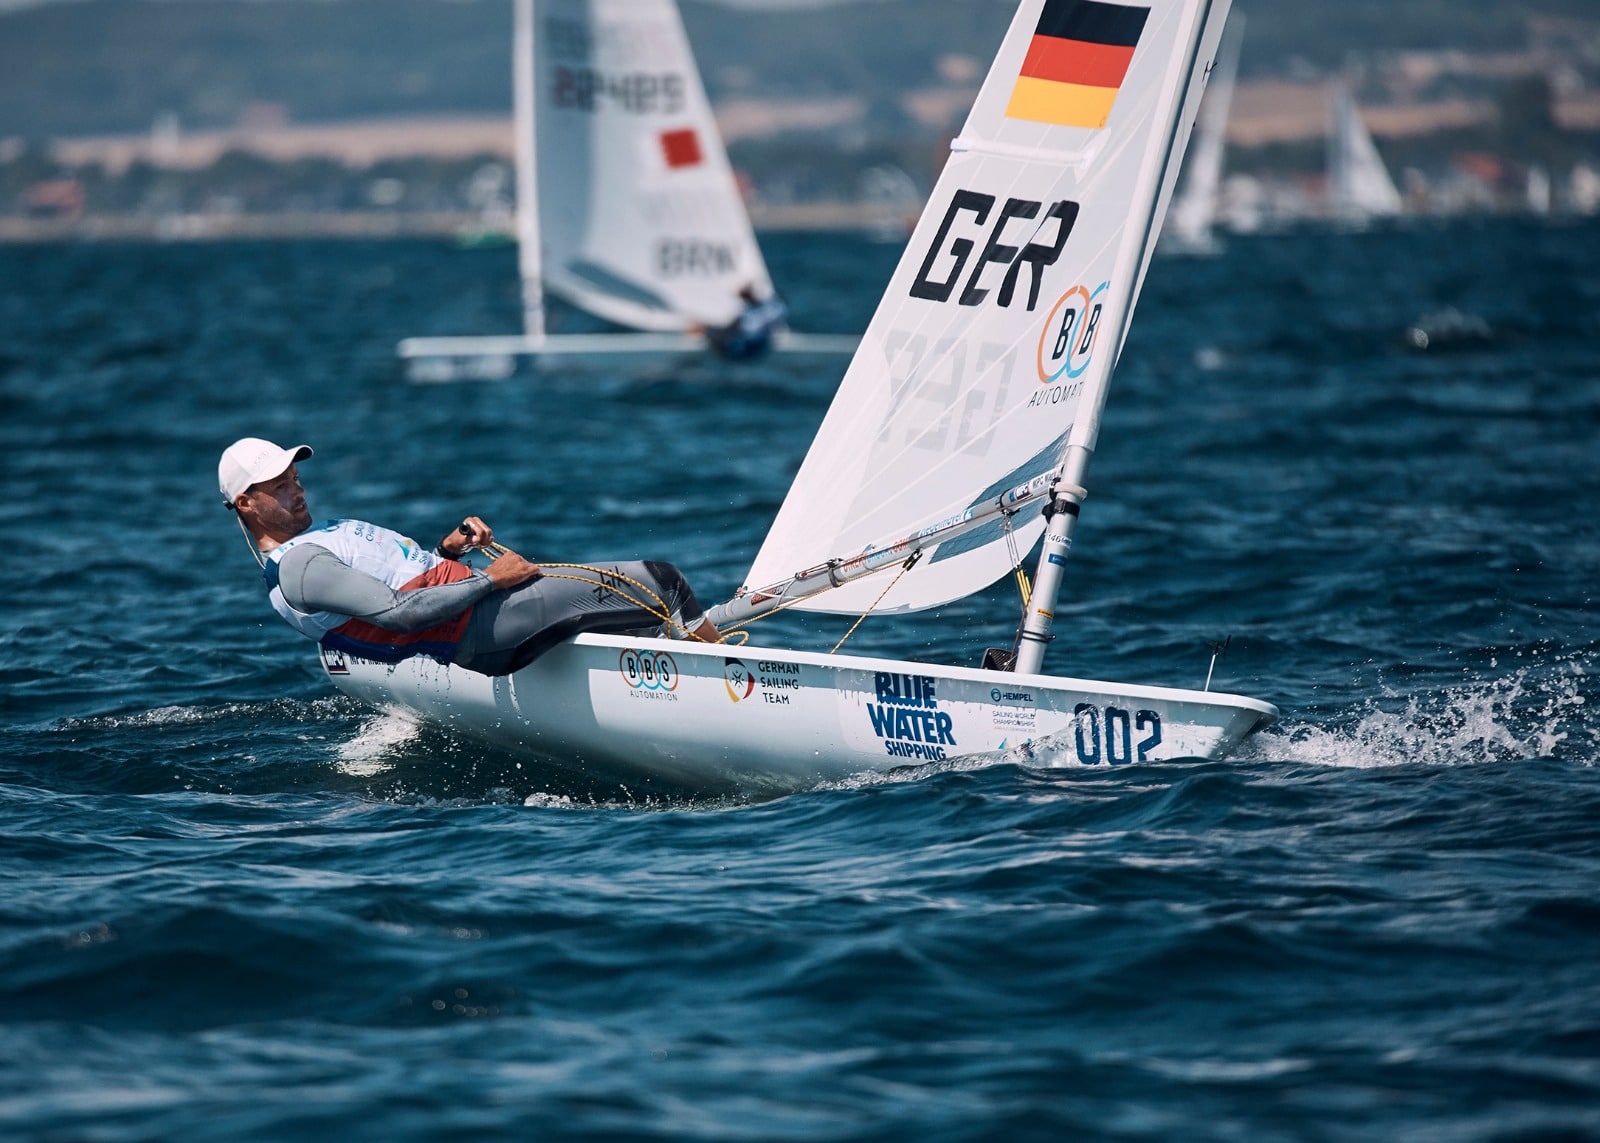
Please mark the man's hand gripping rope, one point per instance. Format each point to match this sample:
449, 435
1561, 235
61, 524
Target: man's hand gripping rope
515, 570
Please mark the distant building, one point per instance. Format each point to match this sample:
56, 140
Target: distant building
54, 199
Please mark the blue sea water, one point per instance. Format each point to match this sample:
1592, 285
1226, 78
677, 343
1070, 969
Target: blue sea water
236, 905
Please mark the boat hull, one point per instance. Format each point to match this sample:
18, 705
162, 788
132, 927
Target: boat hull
655, 713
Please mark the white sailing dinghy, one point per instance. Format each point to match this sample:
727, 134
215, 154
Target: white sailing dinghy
1190, 226
1359, 186
973, 403
627, 206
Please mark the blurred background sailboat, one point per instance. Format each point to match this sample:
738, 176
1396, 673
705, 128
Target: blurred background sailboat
1538, 189
626, 204
1359, 186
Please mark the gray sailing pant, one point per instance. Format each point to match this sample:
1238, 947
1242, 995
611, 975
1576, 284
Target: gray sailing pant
510, 629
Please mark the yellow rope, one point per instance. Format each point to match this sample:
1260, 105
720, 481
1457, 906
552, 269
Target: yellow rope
905, 567
660, 611
1023, 586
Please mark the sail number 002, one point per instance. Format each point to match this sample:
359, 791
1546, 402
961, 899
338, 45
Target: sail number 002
1107, 736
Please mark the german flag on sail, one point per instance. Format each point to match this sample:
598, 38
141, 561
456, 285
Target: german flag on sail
1076, 62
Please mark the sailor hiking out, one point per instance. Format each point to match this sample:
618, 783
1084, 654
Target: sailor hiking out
369, 591
750, 334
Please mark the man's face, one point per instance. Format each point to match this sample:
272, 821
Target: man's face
278, 506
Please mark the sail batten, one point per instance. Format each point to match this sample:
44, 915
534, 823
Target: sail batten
1043, 154
530, 266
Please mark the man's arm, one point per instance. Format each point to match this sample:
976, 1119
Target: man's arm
314, 579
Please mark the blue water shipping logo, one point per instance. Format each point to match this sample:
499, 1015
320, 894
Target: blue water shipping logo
908, 719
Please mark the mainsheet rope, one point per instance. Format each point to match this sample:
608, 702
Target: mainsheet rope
604, 577
905, 567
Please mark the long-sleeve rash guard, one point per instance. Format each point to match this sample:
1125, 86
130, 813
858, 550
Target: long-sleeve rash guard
506, 629
314, 579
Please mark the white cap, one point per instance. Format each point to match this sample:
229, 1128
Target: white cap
252, 460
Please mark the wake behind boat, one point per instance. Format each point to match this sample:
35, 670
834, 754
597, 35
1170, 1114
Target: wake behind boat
627, 206
960, 435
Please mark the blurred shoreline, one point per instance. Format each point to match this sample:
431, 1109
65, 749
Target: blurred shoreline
461, 227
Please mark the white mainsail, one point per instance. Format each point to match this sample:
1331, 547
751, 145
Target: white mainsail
1194, 210
639, 214
1358, 183
987, 358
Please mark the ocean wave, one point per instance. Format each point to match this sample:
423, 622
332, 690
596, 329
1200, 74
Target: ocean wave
1535, 712
293, 710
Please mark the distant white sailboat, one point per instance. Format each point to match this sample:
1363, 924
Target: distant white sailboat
960, 436
1359, 186
627, 206
1538, 191
893, 201
1191, 224
1583, 189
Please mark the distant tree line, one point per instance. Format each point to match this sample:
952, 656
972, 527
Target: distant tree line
242, 182
805, 169
110, 66
822, 166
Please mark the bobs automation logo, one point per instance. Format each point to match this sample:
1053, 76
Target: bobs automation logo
649, 674
1066, 343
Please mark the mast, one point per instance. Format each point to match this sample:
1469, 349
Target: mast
1194, 210
1068, 492
529, 256
1340, 180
